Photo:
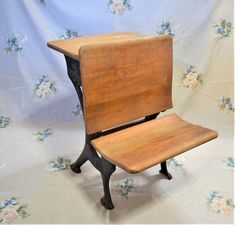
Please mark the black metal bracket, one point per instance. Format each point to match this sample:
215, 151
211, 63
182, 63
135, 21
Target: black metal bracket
102, 165
89, 153
73, 70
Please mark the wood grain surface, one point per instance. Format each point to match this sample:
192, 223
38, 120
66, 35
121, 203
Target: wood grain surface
145, 145
126, 80
70, 47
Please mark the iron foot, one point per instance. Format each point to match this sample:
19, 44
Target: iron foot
75, 169
164, 171
106, 171
167, 174
76, 166
107, 204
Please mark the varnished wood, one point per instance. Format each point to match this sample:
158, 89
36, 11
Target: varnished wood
145, 145
125, 81
124, 77
70, 47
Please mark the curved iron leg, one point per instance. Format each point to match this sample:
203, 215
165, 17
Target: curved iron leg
165, 171
107, 170
73, 69
75, 167
88, 153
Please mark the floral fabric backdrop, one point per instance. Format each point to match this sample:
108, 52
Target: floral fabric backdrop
41, 124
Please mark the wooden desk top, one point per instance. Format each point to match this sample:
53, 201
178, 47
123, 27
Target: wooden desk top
70, 47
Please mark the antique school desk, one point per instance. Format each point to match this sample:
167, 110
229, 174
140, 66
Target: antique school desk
123, 81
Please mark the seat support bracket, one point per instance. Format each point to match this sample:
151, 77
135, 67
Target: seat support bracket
102, 165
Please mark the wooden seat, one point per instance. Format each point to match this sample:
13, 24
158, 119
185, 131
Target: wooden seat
142, 146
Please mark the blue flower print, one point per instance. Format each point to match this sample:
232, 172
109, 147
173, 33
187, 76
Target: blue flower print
175, 162
44, 88
4, 121
226, 104
10, 210
42, 135
219, 204
223, 29
69, 34
15, 43
191, 78
126, 187
118, 7
77, 112
42, 2
166, 28
229, 163
59, 164
10, 201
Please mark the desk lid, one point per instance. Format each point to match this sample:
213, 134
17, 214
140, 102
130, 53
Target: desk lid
70, 47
